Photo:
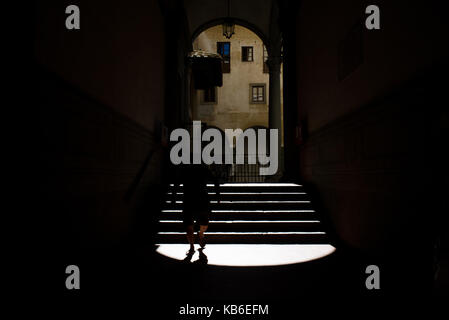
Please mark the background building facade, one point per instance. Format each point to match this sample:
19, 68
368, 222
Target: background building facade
242, 101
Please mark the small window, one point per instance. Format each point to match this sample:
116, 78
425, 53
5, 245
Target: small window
265, 59
209, 96
224, 49
247, 54
257, 93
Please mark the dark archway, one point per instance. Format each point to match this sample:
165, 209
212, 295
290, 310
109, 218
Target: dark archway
240, 22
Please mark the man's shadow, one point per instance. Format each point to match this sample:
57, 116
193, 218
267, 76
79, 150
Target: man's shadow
202, 259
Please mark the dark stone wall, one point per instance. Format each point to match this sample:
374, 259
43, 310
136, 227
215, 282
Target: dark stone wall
117, 56
100, 98
375, 128
341, 66
90, 157
380, 170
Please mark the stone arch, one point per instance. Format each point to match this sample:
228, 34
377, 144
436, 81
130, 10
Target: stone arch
239, 22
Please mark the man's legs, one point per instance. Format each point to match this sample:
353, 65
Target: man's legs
201, 235
203, 219
188, 224
190, 236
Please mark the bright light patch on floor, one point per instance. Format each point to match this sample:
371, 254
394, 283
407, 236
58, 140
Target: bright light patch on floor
248, 221
253, 201
247, 211
247, 193
258, 193
248, 233
263, 201
256, 211
251, 255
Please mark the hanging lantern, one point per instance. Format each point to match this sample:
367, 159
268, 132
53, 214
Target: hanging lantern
228, 24
228, 28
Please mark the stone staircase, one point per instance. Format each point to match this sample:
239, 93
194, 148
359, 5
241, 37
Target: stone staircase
249, 213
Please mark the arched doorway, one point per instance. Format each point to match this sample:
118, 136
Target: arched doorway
252, 219
251, 94
243, 99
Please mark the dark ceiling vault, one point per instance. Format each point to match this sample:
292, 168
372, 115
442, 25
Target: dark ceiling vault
256, 14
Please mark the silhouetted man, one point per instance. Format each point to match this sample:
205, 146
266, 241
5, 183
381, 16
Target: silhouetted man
196, 200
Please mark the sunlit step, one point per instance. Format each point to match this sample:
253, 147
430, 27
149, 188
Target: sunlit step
248, 226
246, 221
248, 237
249, 184
246, 196
248, 211
247, 233
246, 205
247, 187
247, 215
251, 201
247, 193
258, 184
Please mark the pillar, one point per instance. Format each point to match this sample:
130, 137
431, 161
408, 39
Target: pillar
274, 101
